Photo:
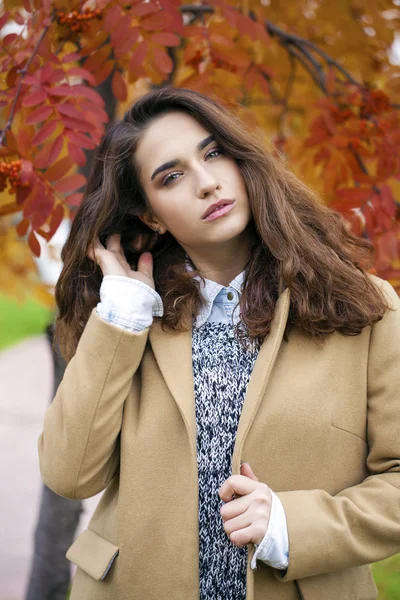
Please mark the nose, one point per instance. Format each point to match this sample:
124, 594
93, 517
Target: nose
207, 183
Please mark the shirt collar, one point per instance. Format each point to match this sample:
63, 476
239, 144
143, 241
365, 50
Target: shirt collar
209, 290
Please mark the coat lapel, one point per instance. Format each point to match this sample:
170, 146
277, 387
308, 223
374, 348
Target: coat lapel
260, 375
173, 353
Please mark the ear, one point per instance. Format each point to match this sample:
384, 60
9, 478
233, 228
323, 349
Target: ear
150, 221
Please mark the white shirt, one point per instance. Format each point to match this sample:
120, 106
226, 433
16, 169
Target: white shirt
131, 305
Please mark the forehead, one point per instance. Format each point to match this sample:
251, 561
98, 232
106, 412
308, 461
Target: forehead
169, 136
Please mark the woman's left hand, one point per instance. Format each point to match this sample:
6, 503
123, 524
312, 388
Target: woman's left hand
247, 516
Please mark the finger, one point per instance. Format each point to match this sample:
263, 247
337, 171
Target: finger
242, 537
239, 522
145, 264
236, 484
94, 249
235, 507
113, 242
247, 471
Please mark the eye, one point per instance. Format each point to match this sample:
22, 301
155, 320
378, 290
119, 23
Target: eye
167, 180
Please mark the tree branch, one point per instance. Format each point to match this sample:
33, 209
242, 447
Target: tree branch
23, 72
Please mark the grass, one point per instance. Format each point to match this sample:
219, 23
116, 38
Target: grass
19, 320
387, 577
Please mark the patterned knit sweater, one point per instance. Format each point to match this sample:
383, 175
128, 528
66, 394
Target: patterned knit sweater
221, 369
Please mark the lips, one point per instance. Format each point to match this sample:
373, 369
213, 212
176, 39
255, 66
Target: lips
210, 209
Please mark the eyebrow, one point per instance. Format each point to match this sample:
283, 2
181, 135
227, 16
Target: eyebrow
174, 163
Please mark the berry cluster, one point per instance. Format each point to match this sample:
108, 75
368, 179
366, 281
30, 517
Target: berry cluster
76, 21
10, 171
374, 103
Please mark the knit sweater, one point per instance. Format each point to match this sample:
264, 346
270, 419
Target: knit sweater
221, 370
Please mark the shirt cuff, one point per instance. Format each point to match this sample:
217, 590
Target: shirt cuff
128, 303
274, 547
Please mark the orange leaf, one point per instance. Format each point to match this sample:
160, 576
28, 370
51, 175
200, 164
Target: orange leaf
59, 169
162, 60
34, 244
119, 88
45, 132
39, 114
70, 183
34, 98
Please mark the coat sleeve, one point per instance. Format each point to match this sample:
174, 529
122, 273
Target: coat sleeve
361, 524
79, 444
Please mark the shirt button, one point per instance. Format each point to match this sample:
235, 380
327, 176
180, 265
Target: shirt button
229, 296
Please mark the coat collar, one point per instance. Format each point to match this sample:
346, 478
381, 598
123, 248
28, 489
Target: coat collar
173, 353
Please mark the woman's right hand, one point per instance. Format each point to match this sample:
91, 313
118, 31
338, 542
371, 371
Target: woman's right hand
111, 260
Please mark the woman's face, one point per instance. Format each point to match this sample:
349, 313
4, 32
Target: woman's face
180, 193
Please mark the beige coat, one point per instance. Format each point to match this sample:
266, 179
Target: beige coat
320, 426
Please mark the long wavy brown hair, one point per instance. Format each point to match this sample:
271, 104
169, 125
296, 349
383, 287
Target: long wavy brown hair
302, 244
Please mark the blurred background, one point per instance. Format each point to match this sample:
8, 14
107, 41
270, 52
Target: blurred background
320, 79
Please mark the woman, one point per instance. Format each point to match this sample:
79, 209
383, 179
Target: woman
260, 339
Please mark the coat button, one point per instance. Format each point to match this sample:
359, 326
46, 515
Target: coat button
229, 296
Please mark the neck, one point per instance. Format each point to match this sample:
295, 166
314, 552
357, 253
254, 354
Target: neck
223, 262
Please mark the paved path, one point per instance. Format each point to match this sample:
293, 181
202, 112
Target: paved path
25, 392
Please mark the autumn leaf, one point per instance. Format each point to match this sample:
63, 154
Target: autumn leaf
119, 88
70, 183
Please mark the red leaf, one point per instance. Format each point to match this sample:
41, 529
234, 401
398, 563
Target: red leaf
76, 154
61, 90
159, 21
104, 71
45, 132
80, 139
112, 17
39, 114
140, 10
56, 148
83, 73
138, 56
10, 38
4, 18
34, 244
354, 194
162, 60
71, 57
74, 199
69, 110
119, 88
59, 169
79, 124
34, 98
82, 90
27, 6
26, 171
388, 202
22, 227
56, 219
56, 76
99, 113
166, 38
70, 183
